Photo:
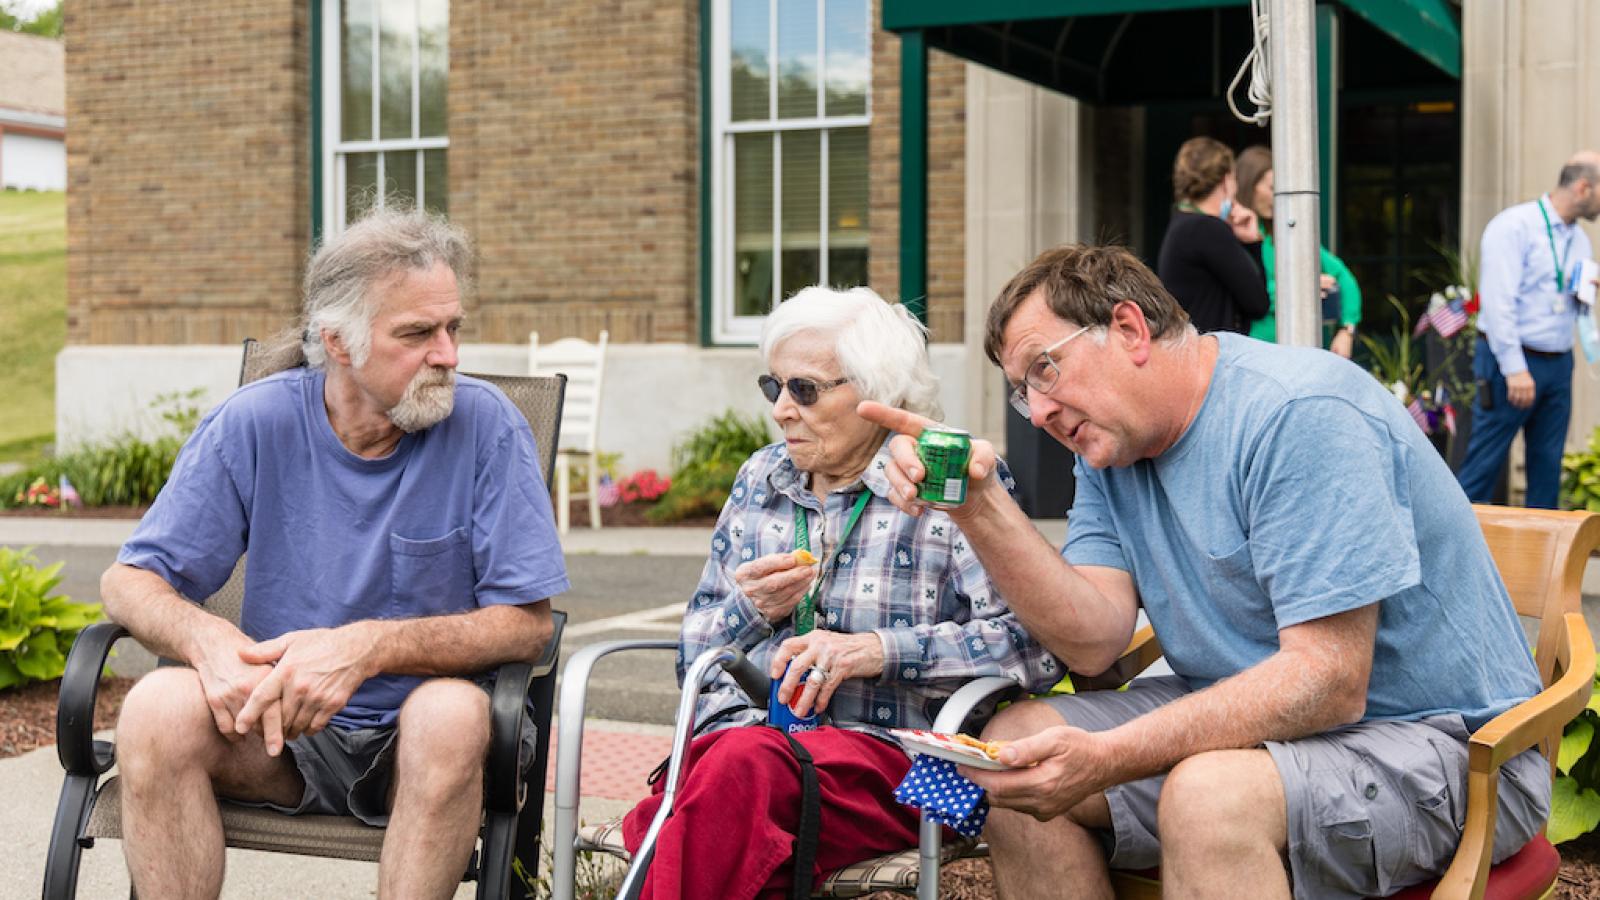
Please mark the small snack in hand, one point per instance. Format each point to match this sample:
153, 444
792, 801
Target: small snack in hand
803, 557
990, 749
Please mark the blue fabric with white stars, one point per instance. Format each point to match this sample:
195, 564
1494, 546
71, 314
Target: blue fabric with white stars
934, 786
913, 581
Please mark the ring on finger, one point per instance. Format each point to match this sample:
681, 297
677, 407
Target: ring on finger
817, 675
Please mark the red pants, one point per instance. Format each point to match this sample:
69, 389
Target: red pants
732, 830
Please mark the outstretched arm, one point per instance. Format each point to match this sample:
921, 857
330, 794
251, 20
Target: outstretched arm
1085, 615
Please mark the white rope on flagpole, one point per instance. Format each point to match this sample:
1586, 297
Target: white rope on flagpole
1258, 62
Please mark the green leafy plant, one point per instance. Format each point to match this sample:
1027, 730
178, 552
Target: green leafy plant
36, 627
126, 471
1580, 476
705, 465
1397, 361
1575, 802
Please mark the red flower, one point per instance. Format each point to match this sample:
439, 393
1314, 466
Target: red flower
1471, 306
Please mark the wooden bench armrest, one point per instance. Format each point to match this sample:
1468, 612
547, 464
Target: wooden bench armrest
1502, 738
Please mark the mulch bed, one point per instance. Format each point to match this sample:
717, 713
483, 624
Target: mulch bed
28, 713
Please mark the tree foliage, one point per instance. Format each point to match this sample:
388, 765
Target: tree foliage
45, 23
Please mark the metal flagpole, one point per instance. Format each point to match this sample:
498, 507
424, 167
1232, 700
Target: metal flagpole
1296, 205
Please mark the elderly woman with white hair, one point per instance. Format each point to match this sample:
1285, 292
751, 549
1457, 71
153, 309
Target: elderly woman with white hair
903, 612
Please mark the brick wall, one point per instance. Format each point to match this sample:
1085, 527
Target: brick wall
574, 163
947, 179
187, 164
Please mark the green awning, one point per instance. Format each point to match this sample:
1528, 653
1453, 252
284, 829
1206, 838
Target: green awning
1141, 51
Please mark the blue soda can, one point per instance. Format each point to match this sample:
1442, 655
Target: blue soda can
782, 717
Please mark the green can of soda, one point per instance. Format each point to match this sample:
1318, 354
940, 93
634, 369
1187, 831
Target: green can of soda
945, 453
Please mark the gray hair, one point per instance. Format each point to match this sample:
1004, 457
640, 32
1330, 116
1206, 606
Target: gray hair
342, 275
880, 347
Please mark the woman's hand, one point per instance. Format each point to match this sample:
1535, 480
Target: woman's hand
775, 583
1343, 342
830, 657
1326, 284
1246, 226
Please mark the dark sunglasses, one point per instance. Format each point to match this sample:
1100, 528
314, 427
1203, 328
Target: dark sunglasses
803, 391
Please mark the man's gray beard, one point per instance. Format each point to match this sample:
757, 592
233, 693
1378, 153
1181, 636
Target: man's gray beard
428, 400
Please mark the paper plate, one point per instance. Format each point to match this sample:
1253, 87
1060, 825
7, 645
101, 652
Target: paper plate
944, 746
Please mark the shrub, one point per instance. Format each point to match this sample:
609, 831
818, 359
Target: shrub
1580, 476
706, 463
36, 628
127, 471
1575, 802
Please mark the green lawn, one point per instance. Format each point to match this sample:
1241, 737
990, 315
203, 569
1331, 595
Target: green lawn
33, 318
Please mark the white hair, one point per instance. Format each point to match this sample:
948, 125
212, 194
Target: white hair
342, 275
880, 347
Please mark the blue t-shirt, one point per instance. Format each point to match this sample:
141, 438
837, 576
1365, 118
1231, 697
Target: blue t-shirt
1304, 489
455, 518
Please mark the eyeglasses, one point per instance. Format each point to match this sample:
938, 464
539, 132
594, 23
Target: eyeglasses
1042, 375
803, 391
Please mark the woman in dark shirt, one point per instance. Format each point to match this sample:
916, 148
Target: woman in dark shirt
1203, 260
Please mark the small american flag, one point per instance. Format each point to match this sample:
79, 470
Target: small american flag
1418, 413
609, 494
1449, 319
69, 494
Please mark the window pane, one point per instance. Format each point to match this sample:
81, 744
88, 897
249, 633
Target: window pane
400, 178
847, 207
434, 34
360, 184
848, 67
752, 224
749, 70
397, 23
355, 96
797, 59
802, 211
436, 182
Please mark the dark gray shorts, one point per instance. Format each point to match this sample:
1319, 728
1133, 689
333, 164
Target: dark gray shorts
1371, 807
349, 771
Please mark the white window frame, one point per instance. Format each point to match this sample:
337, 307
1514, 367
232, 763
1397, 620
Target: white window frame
334, 148
727, 328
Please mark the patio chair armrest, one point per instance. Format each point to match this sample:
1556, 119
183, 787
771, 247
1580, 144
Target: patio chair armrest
508, 702
1502, 738
79, 752
959, 705
1142, 652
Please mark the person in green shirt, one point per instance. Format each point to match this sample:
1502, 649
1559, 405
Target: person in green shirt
1254, 168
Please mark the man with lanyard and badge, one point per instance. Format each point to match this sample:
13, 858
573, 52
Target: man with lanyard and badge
1531, 265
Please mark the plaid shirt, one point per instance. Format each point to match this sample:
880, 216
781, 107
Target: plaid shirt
913, 581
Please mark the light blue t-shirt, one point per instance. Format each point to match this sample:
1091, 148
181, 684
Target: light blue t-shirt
455, 518
1304, 489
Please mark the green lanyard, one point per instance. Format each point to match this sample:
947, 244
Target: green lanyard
1560, 261
805, 615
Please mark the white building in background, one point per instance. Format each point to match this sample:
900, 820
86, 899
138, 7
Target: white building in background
33, 121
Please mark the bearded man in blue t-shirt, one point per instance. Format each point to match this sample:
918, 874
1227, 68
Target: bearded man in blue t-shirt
400, 543
1318, 582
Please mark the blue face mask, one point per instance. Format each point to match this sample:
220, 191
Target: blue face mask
1227, 207
1588, 336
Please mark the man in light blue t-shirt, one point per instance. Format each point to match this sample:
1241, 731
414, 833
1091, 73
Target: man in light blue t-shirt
400, 544
1318, 582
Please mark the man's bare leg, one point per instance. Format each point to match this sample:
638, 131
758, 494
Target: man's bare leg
173, 763
1224, 827
443, 737
1059, 858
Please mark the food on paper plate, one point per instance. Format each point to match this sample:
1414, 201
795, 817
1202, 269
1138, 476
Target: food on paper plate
803, 557
990, 749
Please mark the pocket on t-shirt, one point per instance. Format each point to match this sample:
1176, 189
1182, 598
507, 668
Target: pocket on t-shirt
431, 576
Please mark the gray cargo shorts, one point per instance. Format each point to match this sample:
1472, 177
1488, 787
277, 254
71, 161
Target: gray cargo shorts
349, 771
1371, 808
